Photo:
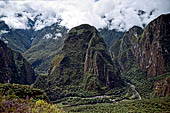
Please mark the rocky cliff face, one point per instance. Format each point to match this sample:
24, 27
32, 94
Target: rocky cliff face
83, 63
123, 55
13, 67
98, 67
150, 49
142, 55
123, 51
162, 87
153, 51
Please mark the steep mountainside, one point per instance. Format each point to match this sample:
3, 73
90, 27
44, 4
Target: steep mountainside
142, 55
38, 47
83, 64
46, 43
123, 55
13, 67
123, 50
153, 52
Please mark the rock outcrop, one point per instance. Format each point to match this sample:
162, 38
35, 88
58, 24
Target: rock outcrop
162, 87
98, 67
153, 51
13, 67
84, 63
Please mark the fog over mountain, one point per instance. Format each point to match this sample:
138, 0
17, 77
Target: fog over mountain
115, 14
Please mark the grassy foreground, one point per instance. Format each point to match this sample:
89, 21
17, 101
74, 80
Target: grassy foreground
155, 105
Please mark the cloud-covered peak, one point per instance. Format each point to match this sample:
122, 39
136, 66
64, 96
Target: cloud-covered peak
115, 14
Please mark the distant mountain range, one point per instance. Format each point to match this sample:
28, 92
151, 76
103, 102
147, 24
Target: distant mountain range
39, 47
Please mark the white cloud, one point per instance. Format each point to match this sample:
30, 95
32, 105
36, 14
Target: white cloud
118, 14
48, 36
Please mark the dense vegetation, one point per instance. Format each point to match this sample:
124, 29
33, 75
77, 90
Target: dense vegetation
83, 67
138, 78
155, 105
22, 91
163, 76
14, 68
46, 43
24, 99
12, 104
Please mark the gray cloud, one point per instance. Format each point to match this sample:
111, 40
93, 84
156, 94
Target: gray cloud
116, 14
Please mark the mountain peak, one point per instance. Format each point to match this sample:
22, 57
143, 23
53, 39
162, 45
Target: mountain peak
84, 64
155, 42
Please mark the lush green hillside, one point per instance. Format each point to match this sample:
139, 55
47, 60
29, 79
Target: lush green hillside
38, 47
22, 91
82, 68
141, 55
15, 98
46, 43
123, 55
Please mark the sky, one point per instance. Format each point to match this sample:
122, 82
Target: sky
114, 14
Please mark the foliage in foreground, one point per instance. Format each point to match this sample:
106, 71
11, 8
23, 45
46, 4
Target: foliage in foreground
13, 104
22, 91
15, 98
156, 105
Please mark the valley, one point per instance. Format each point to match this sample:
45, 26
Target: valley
85, 69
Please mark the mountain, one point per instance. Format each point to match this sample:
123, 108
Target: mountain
153, 53
110, 36
13, 67
18, 39
82, 66
143, 57
38, 47
46, 43
123, 50
124, 57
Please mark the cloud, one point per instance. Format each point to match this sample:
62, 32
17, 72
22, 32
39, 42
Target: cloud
115, 14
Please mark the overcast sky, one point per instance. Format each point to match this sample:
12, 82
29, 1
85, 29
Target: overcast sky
118, 14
